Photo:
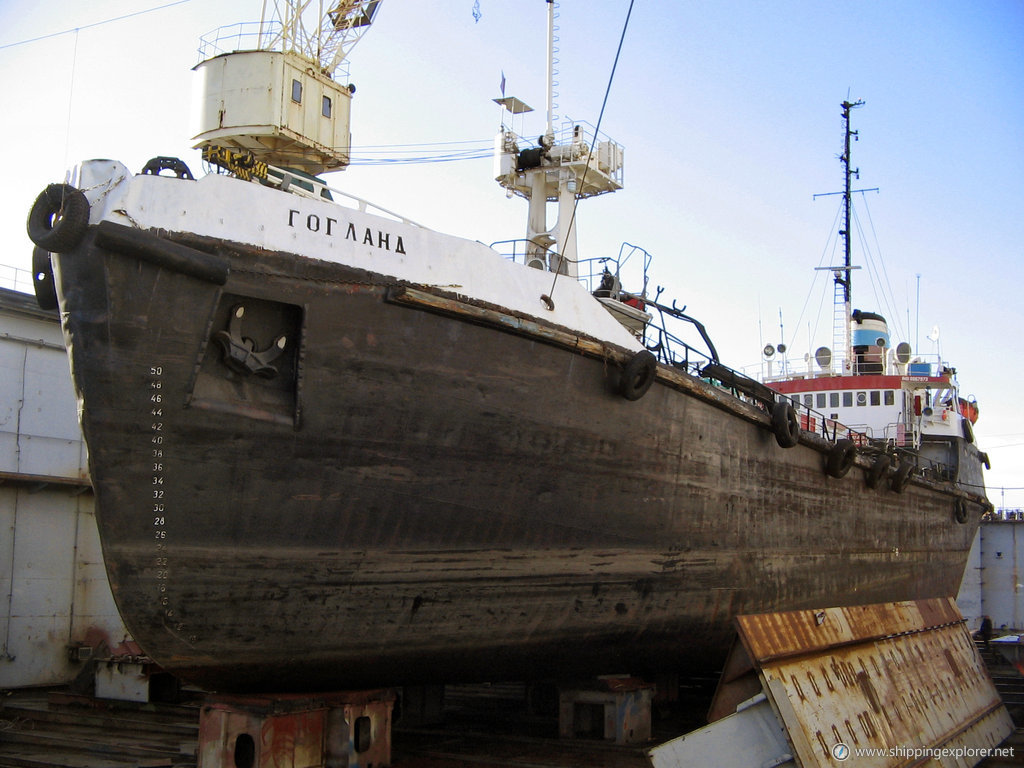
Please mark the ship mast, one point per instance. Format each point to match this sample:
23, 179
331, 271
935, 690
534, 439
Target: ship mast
550, 72
844, 278
842, 328
574, 164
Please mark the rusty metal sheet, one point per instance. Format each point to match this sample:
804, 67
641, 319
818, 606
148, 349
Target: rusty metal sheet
893, 684
780, 635
887, 692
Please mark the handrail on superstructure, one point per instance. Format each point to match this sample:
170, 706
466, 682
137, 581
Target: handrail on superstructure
295, 183
242, 165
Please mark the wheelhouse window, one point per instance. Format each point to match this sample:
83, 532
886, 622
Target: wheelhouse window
820, 400
848, 399
876, 397
890, 397
833, 399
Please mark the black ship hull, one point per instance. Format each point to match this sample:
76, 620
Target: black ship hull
313, 476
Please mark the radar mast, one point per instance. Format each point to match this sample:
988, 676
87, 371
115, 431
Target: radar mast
563, 168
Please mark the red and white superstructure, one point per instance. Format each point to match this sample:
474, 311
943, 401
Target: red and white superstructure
888, 397
877, 393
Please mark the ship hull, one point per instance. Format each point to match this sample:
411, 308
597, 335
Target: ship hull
441, 491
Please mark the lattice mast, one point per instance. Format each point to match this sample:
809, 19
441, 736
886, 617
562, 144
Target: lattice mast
842, 325
844, 278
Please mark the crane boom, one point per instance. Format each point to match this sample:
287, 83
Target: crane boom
323, 36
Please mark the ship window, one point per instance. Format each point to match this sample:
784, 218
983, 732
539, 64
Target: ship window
862, 398
325, 109
847, 399
820, 400
890, 397
296, 91
833, 399
876, 397
808, 401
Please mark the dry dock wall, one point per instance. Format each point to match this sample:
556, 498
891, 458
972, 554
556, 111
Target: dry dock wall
994, 579
54, 593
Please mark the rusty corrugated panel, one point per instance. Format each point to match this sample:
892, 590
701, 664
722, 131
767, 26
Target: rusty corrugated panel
793, 633
903, 680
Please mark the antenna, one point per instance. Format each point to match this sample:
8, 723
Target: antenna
917, 321
847, 202
934, 338
551, 71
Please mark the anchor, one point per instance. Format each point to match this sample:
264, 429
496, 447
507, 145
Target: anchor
240, 352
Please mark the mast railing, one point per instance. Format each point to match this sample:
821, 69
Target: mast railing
577, 141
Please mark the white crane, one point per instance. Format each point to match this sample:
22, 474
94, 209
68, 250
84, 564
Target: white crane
272, 98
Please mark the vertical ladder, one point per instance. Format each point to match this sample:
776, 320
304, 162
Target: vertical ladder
840, 332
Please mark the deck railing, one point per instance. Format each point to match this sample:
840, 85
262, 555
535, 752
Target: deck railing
16, 279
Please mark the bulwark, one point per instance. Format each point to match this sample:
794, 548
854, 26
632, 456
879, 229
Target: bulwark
332, 227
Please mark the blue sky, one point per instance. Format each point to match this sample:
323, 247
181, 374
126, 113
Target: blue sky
729, 115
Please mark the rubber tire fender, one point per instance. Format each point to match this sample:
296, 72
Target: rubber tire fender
785, 424
878, 469
42, 279
901, 477
960, 513
638, 375
841, 457
968, 430
58, 219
